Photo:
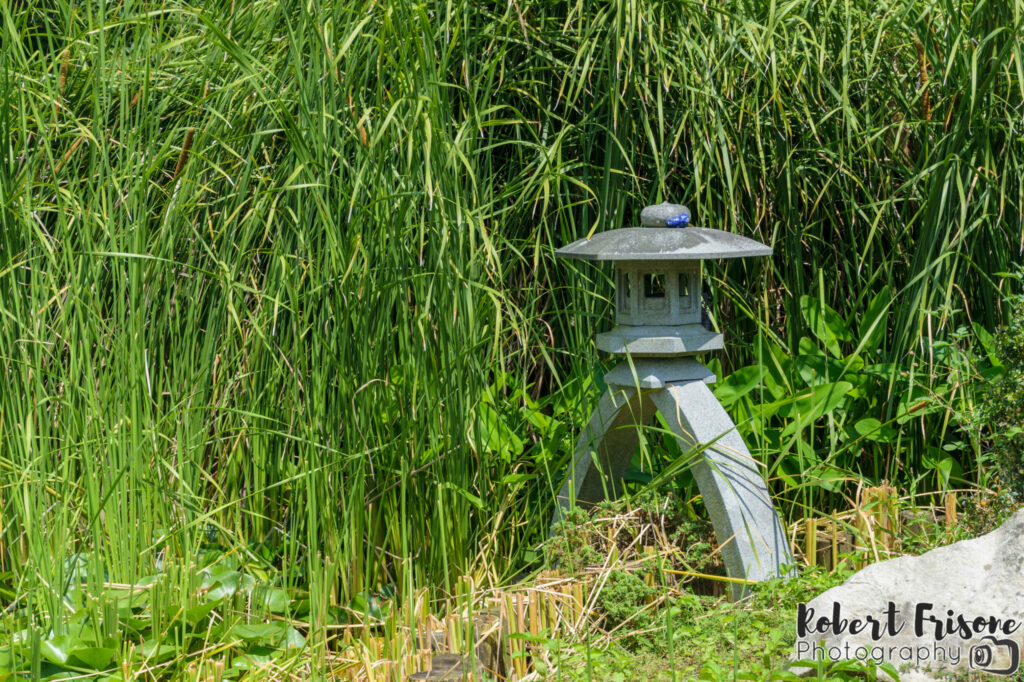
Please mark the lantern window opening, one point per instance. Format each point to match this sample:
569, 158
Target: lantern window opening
654, 285
654, 298
625, 291
687, 287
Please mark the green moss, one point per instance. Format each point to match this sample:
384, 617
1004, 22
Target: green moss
622, 602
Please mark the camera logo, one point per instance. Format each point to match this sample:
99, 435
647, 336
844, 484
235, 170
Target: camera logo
983, 656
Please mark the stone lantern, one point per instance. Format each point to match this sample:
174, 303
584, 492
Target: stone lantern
659, 330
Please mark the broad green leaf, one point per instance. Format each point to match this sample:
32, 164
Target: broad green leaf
807, 347
874, 323
915, 404
637, 475
789, 470
808, 407
828, 477
496, 436
988, 342
777, 371
867, 426
200, 611
515, 479
8, 661
256, 657
364, 603
825, 324
945, 466
95, 658
58, 649
540, 421
890, 670
156, 651
882, 370
473, 499
872, 429
228, 584
737, 385
814, 402
258, 631
224, 585
274, 599
293, 639
818, 368
217, 572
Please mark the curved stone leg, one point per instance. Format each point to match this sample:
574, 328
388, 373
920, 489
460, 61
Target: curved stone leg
749, 532
612, 435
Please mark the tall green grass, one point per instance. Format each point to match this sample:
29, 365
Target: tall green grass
281, 273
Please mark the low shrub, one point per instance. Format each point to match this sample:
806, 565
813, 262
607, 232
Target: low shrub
1001, 408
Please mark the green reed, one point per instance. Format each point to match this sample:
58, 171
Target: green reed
282, 273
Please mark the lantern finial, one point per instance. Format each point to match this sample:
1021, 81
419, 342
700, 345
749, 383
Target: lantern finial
666, 215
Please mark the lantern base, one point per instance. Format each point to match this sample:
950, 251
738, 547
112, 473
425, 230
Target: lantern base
750, 534
657, 372
659, 341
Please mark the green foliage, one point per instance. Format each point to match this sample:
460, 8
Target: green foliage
285, 270
838, 671
837, 411
1001, 408
570, 547
167, 620
984, 513
622, 600
581, 540
686, 636
698, 637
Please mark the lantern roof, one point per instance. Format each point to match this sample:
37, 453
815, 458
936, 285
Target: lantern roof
663, 244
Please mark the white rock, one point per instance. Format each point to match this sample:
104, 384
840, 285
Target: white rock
977, 586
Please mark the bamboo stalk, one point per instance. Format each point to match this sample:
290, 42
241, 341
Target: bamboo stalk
876, 519
520, 628
452, 631
534, 606
579, 603
708, 576
811, 540
551, 610
834, 527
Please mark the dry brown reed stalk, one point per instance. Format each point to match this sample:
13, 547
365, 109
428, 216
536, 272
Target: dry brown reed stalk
922, 64
183, 156
67, 155
65, 60
517, 650
359, 123
950, 504
552, 605
831, 535
877, 520
62, 78
835, 545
